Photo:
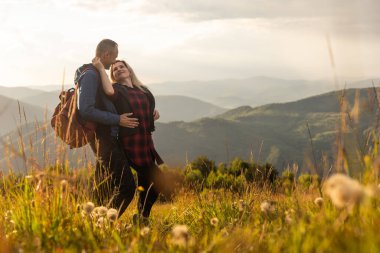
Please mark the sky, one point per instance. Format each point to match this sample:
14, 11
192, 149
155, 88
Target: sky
44, 41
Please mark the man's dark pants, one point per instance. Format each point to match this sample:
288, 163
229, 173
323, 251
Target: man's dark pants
114, 182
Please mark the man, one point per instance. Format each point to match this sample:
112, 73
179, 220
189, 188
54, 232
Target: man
113, 176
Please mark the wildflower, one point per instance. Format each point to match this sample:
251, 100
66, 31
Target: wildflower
112, 214
318, 201
140, 188
267, 207
102, 210
144, 231
214, 221
100, 222
180, 235
88, 207
343, 191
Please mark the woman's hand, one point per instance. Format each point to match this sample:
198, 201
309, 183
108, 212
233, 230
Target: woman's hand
97, 63
156, 115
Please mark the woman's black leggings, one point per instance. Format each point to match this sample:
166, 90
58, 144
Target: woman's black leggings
152, 181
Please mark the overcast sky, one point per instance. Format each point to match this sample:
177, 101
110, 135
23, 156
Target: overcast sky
178, 40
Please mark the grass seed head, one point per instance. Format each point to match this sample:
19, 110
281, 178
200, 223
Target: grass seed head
267, 207
88, 207
343, 191
100, 222
318, 201
102, 211
112, 214
180, 235
144, 231
214, 221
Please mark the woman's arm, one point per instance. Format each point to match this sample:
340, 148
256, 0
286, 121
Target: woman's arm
106, 83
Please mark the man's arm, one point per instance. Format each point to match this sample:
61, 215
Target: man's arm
88, 87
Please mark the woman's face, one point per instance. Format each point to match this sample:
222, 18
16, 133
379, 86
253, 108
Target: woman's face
120, 71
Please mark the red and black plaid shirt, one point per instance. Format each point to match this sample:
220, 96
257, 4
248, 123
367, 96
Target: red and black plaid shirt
139, 147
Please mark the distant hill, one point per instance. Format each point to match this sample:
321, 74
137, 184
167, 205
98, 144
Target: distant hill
254, 91
171, 108
226, 93
11, 114
176, 108
47, 99
19, 92
275, 133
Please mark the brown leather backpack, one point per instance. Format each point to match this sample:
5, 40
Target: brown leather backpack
68, 125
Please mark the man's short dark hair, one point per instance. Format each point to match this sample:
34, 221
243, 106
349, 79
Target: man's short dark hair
105, 46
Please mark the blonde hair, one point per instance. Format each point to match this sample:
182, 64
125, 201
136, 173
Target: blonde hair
135, 81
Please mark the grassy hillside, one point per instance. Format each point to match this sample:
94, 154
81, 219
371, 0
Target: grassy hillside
34, 146
277, 133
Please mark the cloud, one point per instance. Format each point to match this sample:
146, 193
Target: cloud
341, 15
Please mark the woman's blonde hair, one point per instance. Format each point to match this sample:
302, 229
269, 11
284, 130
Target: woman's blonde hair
135, 81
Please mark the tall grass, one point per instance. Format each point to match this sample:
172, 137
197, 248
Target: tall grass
44, 209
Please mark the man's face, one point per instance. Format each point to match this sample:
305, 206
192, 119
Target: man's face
110, 57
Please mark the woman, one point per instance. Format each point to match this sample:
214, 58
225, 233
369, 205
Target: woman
130, 96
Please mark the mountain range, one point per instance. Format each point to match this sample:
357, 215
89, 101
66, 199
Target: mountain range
306, 132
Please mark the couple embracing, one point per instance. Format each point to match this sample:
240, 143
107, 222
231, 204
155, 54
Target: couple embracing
124, 112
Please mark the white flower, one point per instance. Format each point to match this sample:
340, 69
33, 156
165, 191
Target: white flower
102, 210
343, 191
88, 207
99, 211
144, 231
112, 214
318, 201
180, 235
267, 207
214, 221
100, 222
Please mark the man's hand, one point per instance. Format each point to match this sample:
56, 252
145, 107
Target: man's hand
156, 114
127, 121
